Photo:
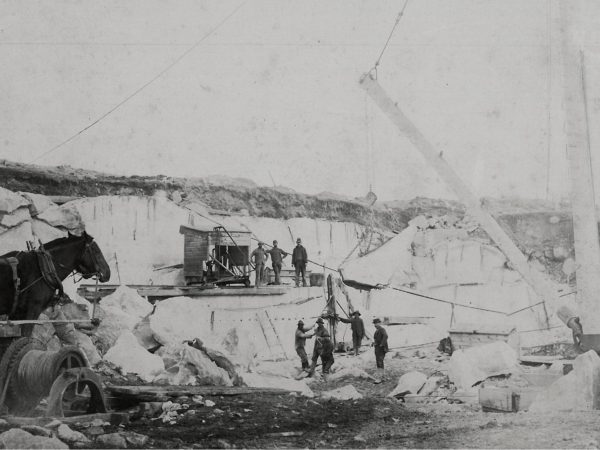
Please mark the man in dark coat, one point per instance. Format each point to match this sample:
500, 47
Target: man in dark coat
300, 341
259, 256
324, 348
277, 256
319, 332
299, 260
358, 329
381, 348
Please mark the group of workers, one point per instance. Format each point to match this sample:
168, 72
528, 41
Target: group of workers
324, 347
260, 256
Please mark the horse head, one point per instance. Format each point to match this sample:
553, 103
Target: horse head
91, 261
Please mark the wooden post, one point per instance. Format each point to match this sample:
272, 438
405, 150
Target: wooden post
585, 225
540, 285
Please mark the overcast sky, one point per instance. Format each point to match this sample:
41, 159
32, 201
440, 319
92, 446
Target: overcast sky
274, 91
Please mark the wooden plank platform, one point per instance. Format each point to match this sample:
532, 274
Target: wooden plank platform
158, 292
531, 359
176, 391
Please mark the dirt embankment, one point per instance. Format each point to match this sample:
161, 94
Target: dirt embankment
540, 229
220, 193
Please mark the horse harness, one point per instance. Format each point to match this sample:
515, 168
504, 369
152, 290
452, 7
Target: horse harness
48, 274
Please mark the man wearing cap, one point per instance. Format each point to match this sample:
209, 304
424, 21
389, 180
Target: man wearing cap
301, 337
324, 348
381, 348
299, 260
358, 329
259, 256
277, 256
319, 332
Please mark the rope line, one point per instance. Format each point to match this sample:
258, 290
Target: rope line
527, 307
378, 61
140, 89
448, 301
253, 308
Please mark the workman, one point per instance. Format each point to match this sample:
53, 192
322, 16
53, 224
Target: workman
299, 260
380, 342
319, 332
277, 256
300, 341
325, 351
260, 257
358, 329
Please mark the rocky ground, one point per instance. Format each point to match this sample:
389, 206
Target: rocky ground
295, 421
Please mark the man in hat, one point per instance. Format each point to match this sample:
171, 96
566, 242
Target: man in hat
299, 260
381, 348
260, 257
319, 332
324, 348
358, 329
300, 341
277, 256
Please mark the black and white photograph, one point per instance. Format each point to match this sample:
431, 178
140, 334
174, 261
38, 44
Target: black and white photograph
299, 224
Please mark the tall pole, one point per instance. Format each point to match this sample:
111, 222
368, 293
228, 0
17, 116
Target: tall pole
585, 224
544, 290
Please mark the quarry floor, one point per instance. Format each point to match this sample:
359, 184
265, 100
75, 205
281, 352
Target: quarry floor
290, 421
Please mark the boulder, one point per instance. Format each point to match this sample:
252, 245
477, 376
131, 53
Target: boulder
66, 434
16, 238
128, 301
84, 342
16, 438
111, 440
472, 365
409, 383
9, 201
239, 346
347, 392
113, 322
131, 357
579, 390
135, 440
36, 430
219, 359
15, 218
266, 381
173, 320
185, 365
38, 203
353, 372
65, 216
144, 335
45, 333
431, 385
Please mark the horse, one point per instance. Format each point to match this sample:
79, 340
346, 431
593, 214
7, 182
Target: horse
29, 282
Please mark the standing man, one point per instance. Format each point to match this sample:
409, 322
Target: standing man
301, 337
319, 332
299, 260
358, 329
259, 256
381, 348
324, 348
277, 256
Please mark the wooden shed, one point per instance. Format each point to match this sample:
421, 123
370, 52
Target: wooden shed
215, 255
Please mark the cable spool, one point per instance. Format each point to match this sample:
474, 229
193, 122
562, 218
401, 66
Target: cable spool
38, 369
30, 371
